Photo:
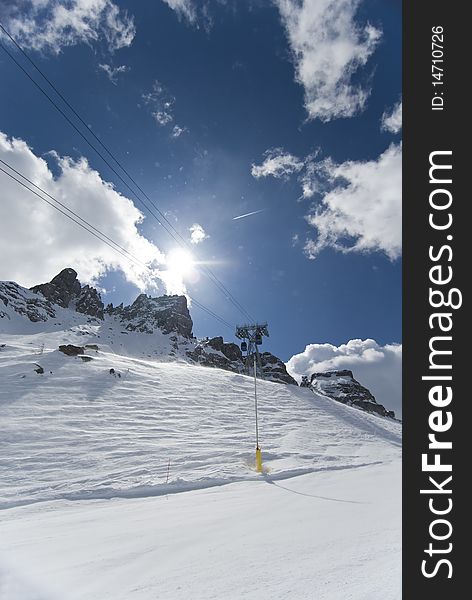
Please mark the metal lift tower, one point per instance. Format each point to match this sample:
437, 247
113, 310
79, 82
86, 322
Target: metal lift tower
252, 338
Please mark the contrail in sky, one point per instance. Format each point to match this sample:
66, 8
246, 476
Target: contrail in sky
255, 212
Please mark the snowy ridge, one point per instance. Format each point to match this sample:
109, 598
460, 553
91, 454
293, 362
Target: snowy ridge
163, 324
20, 301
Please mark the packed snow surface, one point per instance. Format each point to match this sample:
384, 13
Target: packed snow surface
142, 485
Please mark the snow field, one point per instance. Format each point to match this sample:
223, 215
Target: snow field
320, 536
89, 512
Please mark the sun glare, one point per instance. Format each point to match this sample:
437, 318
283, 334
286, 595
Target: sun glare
180, 262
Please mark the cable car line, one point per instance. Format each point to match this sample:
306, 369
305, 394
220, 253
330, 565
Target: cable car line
69, 210
170, 229
97, 233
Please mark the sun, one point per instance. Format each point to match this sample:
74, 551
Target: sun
180, 262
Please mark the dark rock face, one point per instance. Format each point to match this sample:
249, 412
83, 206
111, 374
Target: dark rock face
89, 302
341, 386
168, 313
216, 343
230, 350
228, 356
65, 290
213, 359
71, 350
274, 369
219, 354
61, 289
35, 308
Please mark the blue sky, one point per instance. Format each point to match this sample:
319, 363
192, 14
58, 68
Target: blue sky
205, 94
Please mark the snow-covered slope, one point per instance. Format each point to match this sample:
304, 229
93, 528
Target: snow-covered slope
78, 431
139, 483
326, 536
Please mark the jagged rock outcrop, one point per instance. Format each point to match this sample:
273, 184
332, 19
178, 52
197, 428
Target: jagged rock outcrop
61, 289
275, 370
203, 357
71, 350
230, 350
223, 355
168, 313
65, 290
89, 302
22, 301
341, 386
217, 353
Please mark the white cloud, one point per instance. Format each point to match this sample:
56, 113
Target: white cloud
50, 25
197, 234
161, 102
113, 72
36, 241
379, 368
309, 179
177, 131
194, 12
119, 29
358, 203
184, 8
328, 49
393, 121
162, 117
360, 210
277, 163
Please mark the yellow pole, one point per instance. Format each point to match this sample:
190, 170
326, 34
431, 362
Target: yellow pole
258, 460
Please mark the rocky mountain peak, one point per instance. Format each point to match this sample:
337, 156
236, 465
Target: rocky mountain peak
170, 314
275, 369
341, 386
66, 291
167, 314
61, 289
89, 302
67, 278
